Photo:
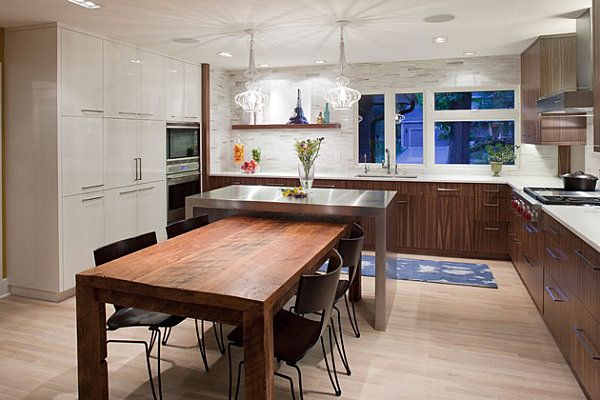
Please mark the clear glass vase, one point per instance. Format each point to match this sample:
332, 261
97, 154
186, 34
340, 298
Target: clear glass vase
306, 175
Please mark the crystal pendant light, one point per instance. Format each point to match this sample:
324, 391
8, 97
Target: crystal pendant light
342, 97
252, 100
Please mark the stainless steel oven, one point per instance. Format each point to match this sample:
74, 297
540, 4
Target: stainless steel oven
184, 175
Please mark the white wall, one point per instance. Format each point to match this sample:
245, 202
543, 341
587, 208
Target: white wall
339, 151
592, 159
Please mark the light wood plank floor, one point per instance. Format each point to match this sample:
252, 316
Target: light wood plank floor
443, 342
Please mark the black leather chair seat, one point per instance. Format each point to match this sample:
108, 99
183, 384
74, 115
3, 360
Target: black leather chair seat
294, 336
129, 317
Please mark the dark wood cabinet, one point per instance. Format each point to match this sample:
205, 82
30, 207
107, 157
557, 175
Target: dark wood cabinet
596, 41
416, 220
548, 66
584, 335
559, 309
455, 222
533, 268
587, 276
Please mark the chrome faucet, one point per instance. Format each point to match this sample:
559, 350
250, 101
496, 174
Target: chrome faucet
385, 164
365, 162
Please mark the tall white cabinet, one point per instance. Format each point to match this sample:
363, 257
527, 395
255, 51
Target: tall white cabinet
85, 149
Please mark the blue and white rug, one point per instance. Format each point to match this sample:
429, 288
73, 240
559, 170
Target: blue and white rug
446, 272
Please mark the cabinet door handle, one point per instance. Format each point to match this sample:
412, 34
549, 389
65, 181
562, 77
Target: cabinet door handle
92, 198
487, 228
146, 188
552, 230
92, 186
141, 169
580, 334
491, 205
128, 191
586, 260
89, 110
528, 260
235, 183
552, 254
550, 292
448, 190
135, 160
402, 201
324, 186
530, 228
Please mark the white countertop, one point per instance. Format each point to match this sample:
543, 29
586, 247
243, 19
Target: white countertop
583, 221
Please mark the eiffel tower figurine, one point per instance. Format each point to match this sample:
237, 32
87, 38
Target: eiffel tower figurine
298, 118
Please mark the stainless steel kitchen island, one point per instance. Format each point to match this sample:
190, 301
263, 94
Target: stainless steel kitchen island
377, 204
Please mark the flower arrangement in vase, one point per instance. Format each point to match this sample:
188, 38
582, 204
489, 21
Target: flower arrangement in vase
499, 154
307, 151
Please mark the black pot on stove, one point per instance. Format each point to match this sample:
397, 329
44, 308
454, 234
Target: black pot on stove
579, 181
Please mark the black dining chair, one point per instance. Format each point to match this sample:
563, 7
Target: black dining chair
350, 249
126, 317
179, 228
294, 334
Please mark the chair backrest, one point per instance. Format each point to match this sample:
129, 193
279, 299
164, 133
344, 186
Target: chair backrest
350, 249
123, 247
316, 293
179, 228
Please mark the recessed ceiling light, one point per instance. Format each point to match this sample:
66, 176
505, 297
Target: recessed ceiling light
436, 19
225, 54
469, 53
320, 61
264, 65
185, 40
440, 39
87, 4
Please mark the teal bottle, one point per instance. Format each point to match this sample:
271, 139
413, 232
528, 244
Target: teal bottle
326, 115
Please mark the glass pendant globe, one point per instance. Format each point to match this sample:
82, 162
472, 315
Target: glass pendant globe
252, 100
342, 97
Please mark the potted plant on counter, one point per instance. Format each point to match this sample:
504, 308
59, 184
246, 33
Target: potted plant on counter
307, 151
500, 154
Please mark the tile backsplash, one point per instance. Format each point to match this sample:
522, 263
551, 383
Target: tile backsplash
339, 150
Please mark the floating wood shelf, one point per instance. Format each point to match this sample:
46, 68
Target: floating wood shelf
286, 126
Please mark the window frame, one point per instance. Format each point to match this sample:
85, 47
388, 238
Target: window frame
431, 116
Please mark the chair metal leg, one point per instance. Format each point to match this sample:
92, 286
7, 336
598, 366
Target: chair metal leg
300, 388
166, 336
290, 380
201, 343
333, 379
152, 340
219, 336
147, 351
340, 344
352, 317
230, 369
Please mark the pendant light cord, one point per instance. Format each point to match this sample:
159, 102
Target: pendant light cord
342, 60
251, 64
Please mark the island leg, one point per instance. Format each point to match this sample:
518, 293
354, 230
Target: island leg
258, 354
380, 272
92, 373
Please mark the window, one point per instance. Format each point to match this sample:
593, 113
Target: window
409, 128
488, 100
371, 128
464, 142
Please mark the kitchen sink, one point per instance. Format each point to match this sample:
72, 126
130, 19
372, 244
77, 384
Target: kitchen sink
390, 176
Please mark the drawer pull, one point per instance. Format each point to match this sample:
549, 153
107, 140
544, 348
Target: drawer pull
491, 229
88, 110
550, 292
491, 190
530, 228
127, 113
586, 260
402, 201
553, 231
146, 188
92, 186
491, 205
128, 191
528, 260
586, 344
235, 183
552, 254
448, 190
92, 198
324, 186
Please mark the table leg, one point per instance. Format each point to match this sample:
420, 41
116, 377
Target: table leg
92, 373
259, 360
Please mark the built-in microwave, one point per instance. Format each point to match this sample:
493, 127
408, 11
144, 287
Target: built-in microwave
183, 141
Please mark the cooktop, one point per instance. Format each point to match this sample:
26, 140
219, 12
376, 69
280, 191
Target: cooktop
558, 196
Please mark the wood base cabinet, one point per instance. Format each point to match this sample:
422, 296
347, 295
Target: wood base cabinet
585, 355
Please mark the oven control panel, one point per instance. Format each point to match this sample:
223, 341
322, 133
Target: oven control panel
525, 209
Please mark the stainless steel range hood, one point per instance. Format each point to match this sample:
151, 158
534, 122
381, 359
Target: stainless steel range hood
580, 101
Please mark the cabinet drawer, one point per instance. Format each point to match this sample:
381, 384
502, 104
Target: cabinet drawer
486, 191
584, 337
490, 237
453, 189
553, 231
329, 184
587, 276
558, 314
491, 209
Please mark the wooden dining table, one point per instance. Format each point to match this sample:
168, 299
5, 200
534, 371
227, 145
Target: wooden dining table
238, 271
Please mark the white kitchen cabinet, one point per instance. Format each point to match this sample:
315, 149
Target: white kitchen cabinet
192, 93
82, 154
81, 74
120, 148
83, 232
120, 80
121, 213
152, 205
152, 150
175, 90
150, 86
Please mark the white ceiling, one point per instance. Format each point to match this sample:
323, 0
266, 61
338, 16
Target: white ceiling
297, 32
